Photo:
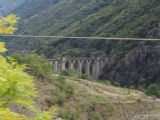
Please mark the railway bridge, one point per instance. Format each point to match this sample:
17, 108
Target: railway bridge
92, 66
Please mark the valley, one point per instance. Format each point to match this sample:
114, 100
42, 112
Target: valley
54, 64
95, 18
94, 100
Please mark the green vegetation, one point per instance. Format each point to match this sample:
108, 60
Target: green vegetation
71, 73
104, 18
91, 110
76, 74
131, 64
154, 90
63, 91
90, 18
16, 86
80, 99
39, 67
36, 65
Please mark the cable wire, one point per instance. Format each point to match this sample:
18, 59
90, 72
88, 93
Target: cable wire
70, 37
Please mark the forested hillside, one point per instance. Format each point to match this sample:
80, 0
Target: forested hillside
33, 87
130, 63
7, 6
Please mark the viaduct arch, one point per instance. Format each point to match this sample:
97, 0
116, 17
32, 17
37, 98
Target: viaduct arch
92, 66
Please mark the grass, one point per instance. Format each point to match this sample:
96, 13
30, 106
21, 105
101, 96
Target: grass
91, 100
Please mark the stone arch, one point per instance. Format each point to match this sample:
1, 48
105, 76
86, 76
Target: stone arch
102, 64
92, 68
84, 67
67, 65
76, 65
59, 66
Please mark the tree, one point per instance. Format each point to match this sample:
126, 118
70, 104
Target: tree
16, 86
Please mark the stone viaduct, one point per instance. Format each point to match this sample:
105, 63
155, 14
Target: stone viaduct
92, 66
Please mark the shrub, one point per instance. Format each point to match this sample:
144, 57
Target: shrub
68, 115
116, 84
71, 73
86, 77
60, 98
62, 92
69, 91
154, 90
62, 81
66, 73
108, 82
76, 74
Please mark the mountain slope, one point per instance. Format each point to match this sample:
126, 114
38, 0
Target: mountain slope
88, 18
7, 6
80, 99
130, 63
31, 7
102, 18
95, 101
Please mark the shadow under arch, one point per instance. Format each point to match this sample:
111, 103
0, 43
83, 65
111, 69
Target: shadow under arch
76, 66
67, 65
92, 68
84, 67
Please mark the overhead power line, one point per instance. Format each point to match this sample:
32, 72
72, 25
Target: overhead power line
74, 37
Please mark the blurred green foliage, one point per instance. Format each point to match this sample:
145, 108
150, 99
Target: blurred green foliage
36, 65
